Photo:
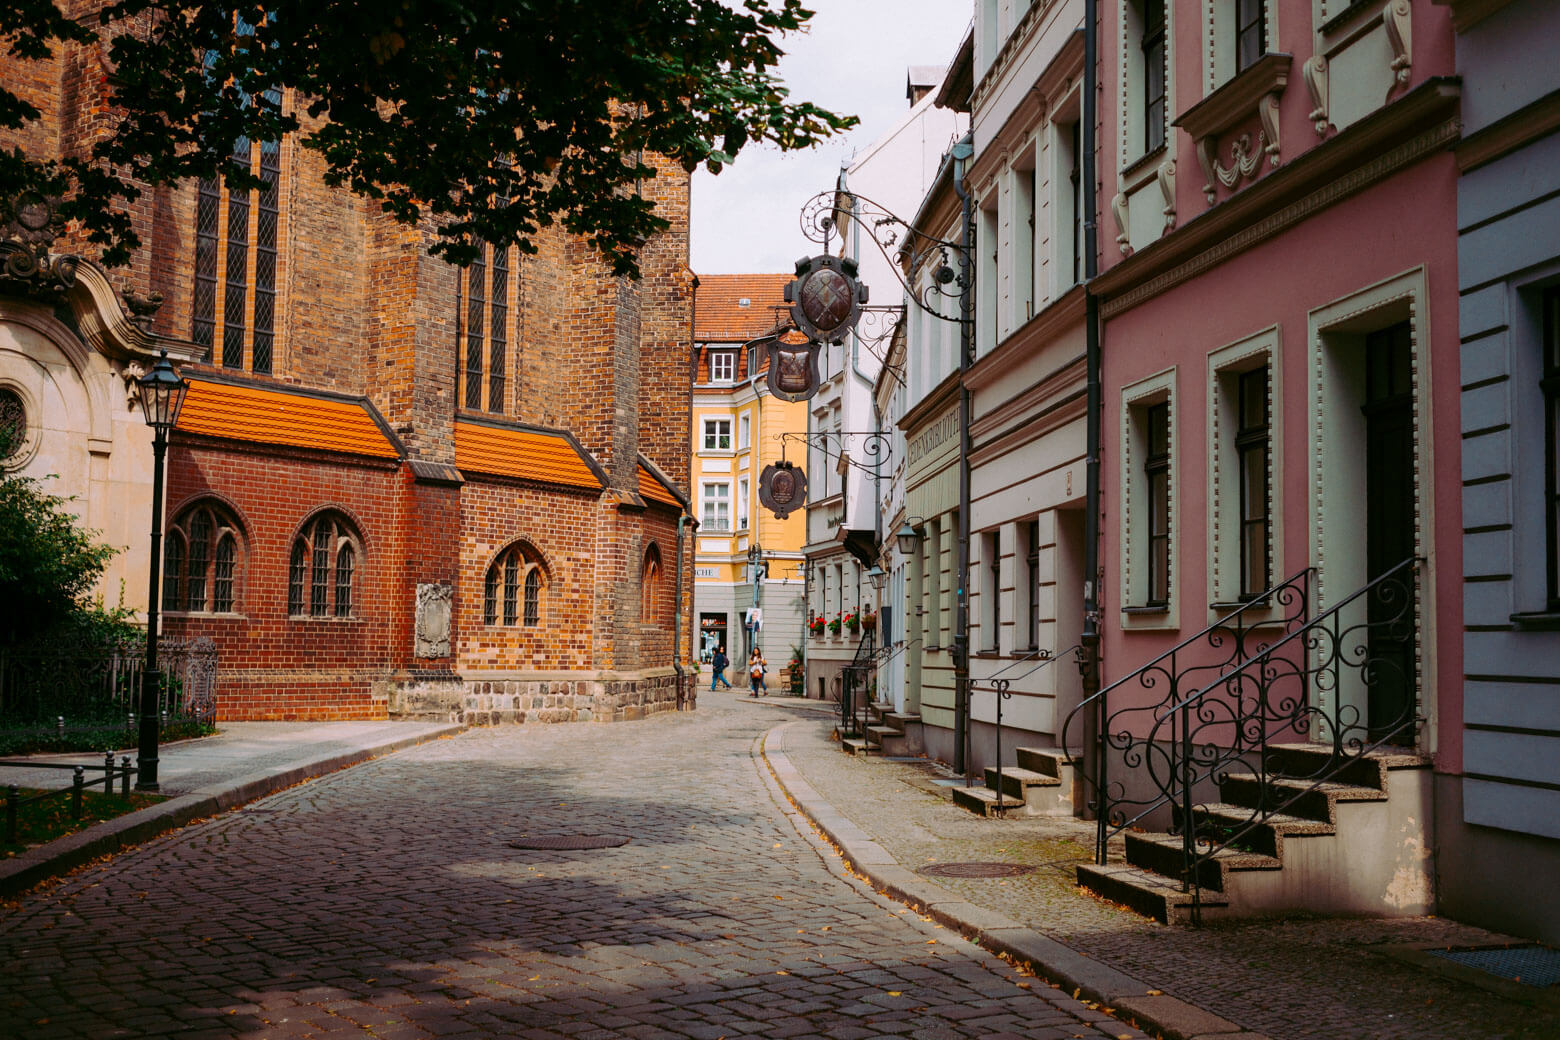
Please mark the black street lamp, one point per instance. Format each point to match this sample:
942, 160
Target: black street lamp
162, 395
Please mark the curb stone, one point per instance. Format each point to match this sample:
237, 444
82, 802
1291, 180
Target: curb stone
1149, 1007
62, 855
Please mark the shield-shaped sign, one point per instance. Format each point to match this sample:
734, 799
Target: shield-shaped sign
825, 297
793, 367
782, 488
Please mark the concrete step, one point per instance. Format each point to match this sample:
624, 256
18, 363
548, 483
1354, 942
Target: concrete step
984, 801
856, 746
1164, 854
1265, 838
1016, 782
1368, 770
877, 734
1297, 797
1050, 761
1150, 894
901, 720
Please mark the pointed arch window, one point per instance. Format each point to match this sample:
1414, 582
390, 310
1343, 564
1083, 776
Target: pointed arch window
650, 585
323, 569
512, 590
202, 560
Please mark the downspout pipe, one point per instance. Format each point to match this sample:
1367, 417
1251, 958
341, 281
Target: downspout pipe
1091, 506
962, 152
677, 665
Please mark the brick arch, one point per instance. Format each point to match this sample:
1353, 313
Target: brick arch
549, 569
240, 521
312, 515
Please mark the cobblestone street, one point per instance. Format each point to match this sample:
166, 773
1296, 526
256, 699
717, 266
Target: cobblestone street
386, 901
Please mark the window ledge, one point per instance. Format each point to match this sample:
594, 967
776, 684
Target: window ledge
1254, 603
1141, 168
1538, 620
329, 619
1162, 608
1255, 91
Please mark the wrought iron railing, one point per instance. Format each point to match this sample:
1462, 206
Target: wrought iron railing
854, 680
72, 688
995, 683
1217, 650
1344, 684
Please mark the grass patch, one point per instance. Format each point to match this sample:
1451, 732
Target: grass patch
40, 822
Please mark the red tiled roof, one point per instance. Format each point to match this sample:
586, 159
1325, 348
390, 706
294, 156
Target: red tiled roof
651, 488
719, 315
528, 454
281, 416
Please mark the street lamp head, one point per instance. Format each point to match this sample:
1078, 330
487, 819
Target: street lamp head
801, 570
162, 395
909, 538
877, 577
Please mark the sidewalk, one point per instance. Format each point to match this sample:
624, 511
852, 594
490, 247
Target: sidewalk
1280, 979
245, 761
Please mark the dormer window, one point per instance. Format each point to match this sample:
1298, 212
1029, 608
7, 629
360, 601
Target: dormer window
723, 366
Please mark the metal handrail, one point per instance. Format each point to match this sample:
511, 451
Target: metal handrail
1293, 591
1046, 658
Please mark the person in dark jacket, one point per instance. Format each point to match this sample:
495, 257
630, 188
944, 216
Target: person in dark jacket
718, 667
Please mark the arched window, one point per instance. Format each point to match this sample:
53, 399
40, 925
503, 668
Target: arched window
512, 592
323, 568
650, 585
202, 557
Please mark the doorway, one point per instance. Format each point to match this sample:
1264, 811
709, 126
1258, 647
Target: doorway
1389, 531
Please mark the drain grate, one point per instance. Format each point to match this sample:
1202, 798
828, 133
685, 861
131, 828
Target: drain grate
568, 842
1529, 965
976, 870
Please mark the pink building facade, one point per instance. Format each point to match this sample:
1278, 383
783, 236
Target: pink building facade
1280, 387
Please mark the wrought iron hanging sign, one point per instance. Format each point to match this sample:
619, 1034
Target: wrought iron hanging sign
825, 297
782, 488
793, 366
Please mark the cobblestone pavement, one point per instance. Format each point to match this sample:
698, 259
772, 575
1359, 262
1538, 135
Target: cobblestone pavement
1291, 979
386, 901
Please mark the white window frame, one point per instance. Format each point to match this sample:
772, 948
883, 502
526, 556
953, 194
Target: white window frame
744, 431
713, 435
743, 512
1135, 401
723, 366
1225, 366
715, 507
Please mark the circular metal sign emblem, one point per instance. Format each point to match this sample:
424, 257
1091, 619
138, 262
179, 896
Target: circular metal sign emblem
782, 487
977, 870
825, 298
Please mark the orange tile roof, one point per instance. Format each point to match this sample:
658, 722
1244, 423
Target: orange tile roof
281, 416
528, 454
651, 488
719, 315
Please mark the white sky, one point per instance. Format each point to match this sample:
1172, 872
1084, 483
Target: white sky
852, 61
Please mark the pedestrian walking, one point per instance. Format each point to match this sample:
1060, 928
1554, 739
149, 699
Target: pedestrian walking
718, 667
757, 666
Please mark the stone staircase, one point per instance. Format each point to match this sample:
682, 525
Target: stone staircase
1357, 843
1041, 784
885, 732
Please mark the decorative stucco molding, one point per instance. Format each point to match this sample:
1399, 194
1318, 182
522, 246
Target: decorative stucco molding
1315, 69
1256, 91
1167, 189
1398, 21
1118, 210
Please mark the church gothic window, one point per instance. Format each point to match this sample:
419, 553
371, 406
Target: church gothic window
512, 591
323, 569
201, 554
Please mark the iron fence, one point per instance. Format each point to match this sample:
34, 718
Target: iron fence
72, 688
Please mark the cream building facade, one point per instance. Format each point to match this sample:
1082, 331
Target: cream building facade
748, 588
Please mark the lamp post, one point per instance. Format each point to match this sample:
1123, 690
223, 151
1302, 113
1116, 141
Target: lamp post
803, 572
162, 395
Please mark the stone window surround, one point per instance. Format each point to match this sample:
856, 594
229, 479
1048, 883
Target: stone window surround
1133, 155
1219, 58
1159, 388
1337, 549
1254, 351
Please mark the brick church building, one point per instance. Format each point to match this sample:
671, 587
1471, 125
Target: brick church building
396, 486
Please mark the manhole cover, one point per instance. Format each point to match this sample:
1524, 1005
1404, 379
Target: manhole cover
1530, 965
568, 842
976, 870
